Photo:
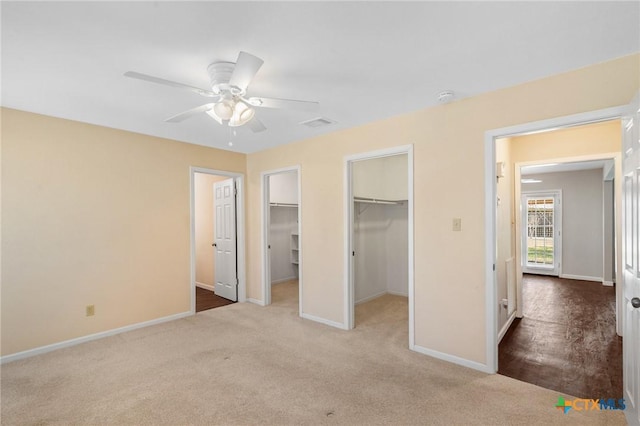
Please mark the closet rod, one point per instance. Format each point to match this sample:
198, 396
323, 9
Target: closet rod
376, 200
283, 205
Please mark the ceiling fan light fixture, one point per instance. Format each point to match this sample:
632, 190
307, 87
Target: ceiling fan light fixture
242, 115
224, 110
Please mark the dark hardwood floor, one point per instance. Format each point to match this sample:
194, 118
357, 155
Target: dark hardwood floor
206, 299
566, 340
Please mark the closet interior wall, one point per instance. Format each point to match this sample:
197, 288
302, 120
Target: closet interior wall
283, 226
382, 252
380, 227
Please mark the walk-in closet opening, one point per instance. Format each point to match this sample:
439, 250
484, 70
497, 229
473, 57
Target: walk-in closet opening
380, 239
282, 238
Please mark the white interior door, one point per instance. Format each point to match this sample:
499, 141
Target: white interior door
541, 233
631, 260
224, 204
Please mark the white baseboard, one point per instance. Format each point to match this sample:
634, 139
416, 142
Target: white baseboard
324, 321
256, 301
580, 277
506, 326
453, 359
375, 296
282, 280
205, 286
607, 283
89, 338
382, 293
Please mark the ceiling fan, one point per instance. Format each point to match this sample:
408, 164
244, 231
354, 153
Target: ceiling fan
229, 104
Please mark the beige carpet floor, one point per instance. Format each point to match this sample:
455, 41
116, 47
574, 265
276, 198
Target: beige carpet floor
245, 364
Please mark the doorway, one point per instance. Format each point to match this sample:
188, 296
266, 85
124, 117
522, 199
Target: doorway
282, 238
379, 236
542, 188
217, 239
541, 232
493, 174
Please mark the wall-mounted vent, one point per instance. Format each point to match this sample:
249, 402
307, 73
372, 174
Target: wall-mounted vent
317, 122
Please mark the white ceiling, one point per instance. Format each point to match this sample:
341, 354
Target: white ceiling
565, 167
363, 61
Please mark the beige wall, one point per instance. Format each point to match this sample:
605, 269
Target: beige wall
204, 216
449, 182
93, 215
590, 139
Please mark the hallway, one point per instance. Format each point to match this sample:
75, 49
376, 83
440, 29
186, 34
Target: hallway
566, 340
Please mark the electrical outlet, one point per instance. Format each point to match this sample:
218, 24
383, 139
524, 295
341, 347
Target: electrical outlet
457, 224
90, 310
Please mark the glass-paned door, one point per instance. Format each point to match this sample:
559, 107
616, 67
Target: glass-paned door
541, 233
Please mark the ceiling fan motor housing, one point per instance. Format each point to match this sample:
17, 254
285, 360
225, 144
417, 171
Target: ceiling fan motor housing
220, 75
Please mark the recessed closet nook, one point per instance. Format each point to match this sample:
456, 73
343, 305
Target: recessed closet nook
283, 235
380, 229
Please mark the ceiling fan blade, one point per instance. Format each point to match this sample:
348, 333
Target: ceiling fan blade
246, 68
283, 103
189, 113
157, 80
256, 125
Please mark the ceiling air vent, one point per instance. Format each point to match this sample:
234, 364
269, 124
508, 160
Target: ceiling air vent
317, 122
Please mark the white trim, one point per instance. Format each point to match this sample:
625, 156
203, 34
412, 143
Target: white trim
382, 293
256, 301
452, 359
491, 300
73, 342
335, 324
582, 278
264, 237
506, 326
607, 283
368, 298
349, 292
205, 286
240, 231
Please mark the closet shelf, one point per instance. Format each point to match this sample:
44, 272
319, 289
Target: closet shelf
377, 201
283, 205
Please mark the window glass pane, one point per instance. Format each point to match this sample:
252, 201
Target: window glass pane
540, 231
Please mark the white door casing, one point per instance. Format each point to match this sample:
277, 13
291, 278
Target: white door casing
224, 203
631, 260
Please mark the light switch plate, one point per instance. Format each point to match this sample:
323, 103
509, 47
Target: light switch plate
457, 224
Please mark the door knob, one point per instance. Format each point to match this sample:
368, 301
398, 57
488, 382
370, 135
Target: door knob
214, 245
635, 302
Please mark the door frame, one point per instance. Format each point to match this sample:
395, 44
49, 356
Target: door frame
240, 231
556, 194
348, 288
265, 224
490, 136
